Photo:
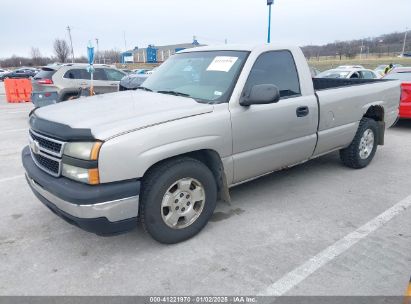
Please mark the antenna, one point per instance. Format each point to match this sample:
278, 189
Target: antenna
269, 3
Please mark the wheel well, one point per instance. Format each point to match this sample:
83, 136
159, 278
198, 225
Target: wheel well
66, 95
376, 113
213, 161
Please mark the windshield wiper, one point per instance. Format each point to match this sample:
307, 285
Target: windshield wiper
144, 89
175, 93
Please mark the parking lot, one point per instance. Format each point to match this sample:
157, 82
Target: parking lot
289, 233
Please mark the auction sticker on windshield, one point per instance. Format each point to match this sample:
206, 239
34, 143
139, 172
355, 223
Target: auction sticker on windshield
222, 63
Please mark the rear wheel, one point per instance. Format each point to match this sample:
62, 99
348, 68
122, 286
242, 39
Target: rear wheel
363, 147
178, 198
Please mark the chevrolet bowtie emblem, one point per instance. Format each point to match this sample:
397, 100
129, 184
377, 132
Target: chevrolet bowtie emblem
35, 147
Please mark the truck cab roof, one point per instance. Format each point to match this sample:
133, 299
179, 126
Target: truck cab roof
242, 47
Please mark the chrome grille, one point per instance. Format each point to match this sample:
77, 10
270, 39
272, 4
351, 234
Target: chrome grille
46, 152
47, 164
49, 145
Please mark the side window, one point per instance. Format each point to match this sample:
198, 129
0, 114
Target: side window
99, 74
368, 75
114, 75
355, 75
278, 68
75, 74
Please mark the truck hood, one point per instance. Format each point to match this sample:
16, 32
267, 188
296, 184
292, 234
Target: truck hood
109, 115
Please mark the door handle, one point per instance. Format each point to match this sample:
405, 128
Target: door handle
302, 111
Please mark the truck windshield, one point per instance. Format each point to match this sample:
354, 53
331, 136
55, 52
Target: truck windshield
205, 76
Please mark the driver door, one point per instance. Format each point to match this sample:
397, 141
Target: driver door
272, 136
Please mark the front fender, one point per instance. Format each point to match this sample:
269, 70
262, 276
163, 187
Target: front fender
130, 155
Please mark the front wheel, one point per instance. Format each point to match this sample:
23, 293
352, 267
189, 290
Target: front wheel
178, 198
362, 149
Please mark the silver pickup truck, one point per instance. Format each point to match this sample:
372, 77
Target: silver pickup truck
210, 118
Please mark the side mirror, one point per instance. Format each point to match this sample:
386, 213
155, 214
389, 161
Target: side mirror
261, 94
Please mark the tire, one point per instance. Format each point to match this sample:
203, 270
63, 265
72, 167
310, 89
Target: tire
362, 149
168, 211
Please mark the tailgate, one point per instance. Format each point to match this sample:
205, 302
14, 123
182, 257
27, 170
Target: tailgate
43, 81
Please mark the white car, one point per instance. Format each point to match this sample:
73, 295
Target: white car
350, 67
151, 71
4, 71
349, 74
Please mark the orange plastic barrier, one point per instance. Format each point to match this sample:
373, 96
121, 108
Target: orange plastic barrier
18, 90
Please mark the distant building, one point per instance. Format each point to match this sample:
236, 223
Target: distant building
127, 57
155, 54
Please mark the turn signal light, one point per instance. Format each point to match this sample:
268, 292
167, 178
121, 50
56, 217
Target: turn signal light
95, 150
93, 177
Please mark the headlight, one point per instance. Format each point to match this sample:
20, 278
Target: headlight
88, 176
83, 150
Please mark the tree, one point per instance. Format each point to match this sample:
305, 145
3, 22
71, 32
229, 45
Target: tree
61, 49
110, 56
36, 56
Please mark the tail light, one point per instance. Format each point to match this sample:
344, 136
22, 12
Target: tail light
406, 92
45, 81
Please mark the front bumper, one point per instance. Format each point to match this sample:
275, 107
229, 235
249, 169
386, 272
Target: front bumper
103, 209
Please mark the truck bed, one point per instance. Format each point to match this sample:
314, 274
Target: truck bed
332, 83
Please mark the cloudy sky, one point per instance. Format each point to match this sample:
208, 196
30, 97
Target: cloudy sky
28, 23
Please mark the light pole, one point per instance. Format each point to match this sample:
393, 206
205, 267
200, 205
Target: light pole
269, 4
405, 41
71, 44
98, 51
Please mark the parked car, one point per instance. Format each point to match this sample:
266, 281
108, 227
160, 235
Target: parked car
127, 71
141, 71
132, 81
210, 118
4, 71
314, 71
404, 75
350, 67
349, 74
54, 84
19, 73
149, 72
